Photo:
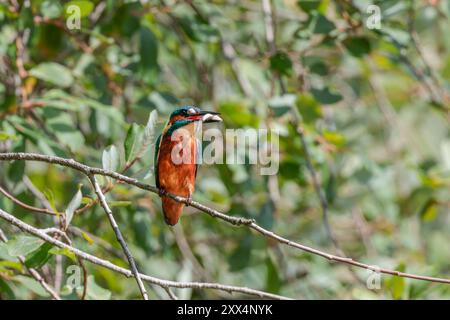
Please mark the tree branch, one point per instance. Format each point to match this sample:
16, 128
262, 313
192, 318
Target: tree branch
119, 236
24, 205
237, 221
107, 264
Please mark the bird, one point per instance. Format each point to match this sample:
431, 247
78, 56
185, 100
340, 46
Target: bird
172, 175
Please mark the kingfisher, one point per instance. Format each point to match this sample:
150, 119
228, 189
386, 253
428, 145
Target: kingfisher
177, 156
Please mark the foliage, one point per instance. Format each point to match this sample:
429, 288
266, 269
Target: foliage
374, 106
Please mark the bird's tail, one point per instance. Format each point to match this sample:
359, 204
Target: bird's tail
172, 210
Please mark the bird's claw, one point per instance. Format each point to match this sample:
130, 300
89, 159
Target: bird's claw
189, 200
162, 192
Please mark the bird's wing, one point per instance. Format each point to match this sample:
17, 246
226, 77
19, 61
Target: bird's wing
157, 148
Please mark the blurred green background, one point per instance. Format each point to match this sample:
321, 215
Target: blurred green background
374, 105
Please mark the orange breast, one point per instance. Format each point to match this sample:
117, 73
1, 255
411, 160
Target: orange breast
177, 165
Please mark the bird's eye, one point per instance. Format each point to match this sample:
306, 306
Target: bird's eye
191, 111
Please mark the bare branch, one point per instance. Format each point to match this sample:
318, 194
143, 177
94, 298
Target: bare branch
107, 264
119, 236
237, 221
170, 293
24, 205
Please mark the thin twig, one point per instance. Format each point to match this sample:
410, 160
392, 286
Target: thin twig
24, 205
237, 221
119, 236
170, 293
107, 264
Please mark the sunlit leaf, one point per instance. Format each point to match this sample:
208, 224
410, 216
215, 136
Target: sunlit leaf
73, 205
23, 245
84, 6
63, 251
133, 141
110, 158
54, 73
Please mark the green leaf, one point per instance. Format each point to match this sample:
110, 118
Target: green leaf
319, 68
309, 108
273, 280
51, 200
8, 264
113, 204
322, 25
265, 218
149, 133
23, 245
334, 137
54, 73
95, 292
240, 258
73, 205
65, 252
7, 136
62, 125
6, 289
87, 238
282, 104
148, 49
51, 9
85, 7
309, 5
110, 158
32, 285
237, 114
357, 46
38, 258
281, 63
326, 96
429, 211
4, 250
133, 141
17, 169
200, 32
396, 285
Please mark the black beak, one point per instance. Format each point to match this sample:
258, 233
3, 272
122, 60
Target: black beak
209, 116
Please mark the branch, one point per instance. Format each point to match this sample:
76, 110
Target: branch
119, 236
24, 205
107, 264
237, 221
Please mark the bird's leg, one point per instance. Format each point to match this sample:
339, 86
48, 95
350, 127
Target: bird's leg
189, 200
162, 192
